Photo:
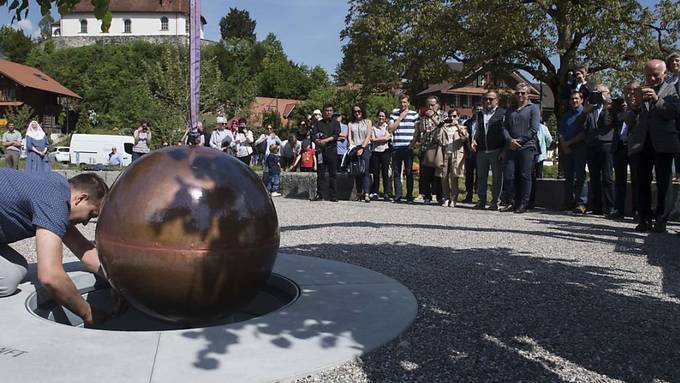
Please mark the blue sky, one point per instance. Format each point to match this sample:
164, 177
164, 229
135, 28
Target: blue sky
308, 29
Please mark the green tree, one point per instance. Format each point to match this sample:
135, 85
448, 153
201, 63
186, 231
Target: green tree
237, 24
20, 116
45, 25
21, 7
14, 44
543, 37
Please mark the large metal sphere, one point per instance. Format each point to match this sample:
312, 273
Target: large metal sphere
188, 234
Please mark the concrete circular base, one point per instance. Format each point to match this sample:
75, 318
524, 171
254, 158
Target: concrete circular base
342, 312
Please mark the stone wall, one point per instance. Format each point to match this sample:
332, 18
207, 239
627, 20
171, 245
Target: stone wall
79, 41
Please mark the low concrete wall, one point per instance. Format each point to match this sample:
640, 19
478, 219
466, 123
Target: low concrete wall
549, 191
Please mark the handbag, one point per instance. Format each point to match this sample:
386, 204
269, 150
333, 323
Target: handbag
356, 167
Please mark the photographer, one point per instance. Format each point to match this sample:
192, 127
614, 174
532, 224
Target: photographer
194, 136
577, 80
142, 137
653, 140
602, 119
325, 134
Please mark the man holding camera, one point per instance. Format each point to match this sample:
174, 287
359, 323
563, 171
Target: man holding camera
142, 137
325, 134
600, 133
653, 141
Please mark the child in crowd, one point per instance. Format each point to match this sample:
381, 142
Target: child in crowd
274, 170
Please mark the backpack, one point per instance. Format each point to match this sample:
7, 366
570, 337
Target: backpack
307, 160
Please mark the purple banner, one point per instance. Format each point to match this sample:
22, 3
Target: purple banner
194, 61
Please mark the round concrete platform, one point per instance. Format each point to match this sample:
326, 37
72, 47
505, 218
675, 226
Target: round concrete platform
342, 312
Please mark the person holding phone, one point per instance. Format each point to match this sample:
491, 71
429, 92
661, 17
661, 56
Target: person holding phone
652, 143
142, 136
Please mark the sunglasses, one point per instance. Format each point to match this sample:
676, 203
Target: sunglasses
520, 93
489, 98
453, 115
357, 111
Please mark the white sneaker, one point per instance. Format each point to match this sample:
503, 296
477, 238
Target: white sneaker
276, 194
446, 203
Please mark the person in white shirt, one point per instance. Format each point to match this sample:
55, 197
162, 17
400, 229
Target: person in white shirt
221, 138
242, 145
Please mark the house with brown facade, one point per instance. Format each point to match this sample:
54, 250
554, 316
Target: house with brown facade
25, 85
464, 97
260, 105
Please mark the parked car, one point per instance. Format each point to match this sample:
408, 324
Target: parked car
60, 154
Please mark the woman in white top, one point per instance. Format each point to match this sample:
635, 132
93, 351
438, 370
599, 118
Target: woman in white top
380, 156
360, 135
243, 143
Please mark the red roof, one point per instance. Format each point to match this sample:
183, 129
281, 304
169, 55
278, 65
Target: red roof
32, 78
152, 6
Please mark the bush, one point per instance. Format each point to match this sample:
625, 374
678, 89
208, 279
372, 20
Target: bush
21, 116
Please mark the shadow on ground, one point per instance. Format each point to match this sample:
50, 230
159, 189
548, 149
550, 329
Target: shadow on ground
503, 316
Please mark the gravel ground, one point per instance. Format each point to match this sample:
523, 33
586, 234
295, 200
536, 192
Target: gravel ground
540, 297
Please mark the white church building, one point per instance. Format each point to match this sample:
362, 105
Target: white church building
152, 20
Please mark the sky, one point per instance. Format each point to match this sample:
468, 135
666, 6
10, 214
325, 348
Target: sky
309, 30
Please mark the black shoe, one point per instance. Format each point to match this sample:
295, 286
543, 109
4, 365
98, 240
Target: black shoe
479, 205
317, 197
615, 215
333, 199
493, 207
409, 201
396, 200
507, 208
521, 209
660, 228
643, 226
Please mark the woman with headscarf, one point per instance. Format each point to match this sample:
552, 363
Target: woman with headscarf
37, 145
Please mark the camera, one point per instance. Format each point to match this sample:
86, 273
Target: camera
595, 98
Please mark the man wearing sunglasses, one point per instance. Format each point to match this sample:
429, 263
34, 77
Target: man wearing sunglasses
488, 142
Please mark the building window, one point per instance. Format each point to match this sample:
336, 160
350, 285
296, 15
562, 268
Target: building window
453, 100
83, 26
464, 100
57, 32
480, 81
127, 26
164, 23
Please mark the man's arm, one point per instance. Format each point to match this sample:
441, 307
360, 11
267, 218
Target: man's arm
83, 249
52, 276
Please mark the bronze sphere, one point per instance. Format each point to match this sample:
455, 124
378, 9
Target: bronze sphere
188, 234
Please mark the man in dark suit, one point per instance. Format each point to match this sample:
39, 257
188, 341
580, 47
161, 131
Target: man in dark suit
620, 154
488, 142
653, 141
601, 121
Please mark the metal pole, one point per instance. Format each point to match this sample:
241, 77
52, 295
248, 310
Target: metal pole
194, 61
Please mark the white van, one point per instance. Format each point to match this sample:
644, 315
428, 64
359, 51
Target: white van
93, 149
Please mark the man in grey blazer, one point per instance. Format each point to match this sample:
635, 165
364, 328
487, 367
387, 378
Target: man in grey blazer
653, 141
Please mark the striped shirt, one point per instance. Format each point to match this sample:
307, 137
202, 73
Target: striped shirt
403, 135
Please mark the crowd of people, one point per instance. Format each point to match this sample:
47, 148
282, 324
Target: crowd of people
601, 141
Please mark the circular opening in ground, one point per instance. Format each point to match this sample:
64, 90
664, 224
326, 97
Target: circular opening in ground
278, 293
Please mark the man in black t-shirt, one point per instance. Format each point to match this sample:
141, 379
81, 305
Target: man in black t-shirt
325, 134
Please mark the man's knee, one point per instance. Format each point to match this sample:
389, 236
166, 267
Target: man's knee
10, 279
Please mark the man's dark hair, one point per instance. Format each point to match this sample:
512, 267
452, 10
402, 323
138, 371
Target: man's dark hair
403, 96
328, 105
573, 92
91, 184
580, 67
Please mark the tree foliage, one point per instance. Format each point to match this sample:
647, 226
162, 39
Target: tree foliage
237, 24
21, 116
14, 44
21, 7
414, 39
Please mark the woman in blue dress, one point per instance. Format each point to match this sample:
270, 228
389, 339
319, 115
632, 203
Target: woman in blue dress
37, 159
